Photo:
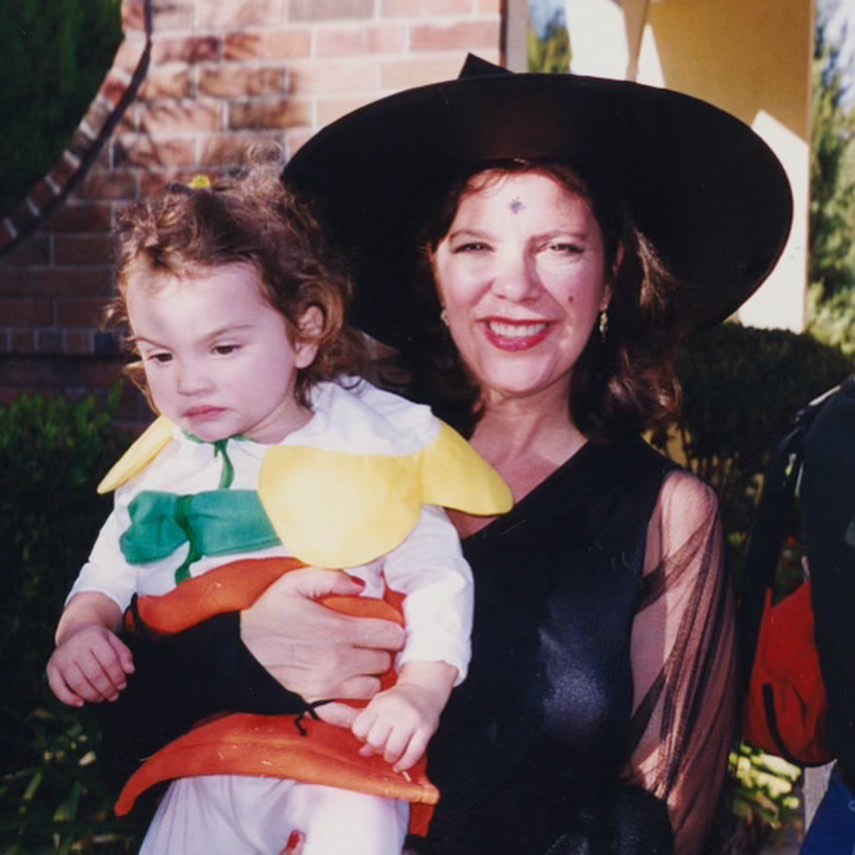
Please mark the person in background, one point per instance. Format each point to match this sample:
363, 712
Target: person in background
828, 508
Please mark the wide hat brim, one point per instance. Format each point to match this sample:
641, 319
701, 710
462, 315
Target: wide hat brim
702, 186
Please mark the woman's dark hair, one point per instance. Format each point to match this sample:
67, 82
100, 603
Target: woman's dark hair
623, 382
250, 218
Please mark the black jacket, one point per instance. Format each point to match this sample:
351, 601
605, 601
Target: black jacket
828, 505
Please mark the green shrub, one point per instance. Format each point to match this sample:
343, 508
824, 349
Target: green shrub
741, 387
55, 54
549, 47
832, 319
52, 454
59, 801
766, 798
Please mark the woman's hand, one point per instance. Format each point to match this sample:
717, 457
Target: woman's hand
316, 652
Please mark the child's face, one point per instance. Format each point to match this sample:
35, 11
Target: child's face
217, 356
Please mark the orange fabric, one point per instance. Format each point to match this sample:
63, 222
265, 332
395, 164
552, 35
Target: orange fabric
787, 707
272, 746
229, 588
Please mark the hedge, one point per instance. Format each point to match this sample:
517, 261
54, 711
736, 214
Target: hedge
55, 54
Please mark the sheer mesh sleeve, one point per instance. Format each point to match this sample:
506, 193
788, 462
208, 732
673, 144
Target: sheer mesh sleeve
685, 710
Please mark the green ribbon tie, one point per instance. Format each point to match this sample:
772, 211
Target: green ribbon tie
213, 523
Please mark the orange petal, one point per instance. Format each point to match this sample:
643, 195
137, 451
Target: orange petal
272, 747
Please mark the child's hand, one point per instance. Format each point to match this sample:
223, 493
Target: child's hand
91, 665
399, 722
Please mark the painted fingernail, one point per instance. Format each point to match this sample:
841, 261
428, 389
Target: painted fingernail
294, 840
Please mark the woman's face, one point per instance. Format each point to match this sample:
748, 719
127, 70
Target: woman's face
522, 276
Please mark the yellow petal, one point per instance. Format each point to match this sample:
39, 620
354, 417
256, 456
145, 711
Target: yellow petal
334, 509
140, 455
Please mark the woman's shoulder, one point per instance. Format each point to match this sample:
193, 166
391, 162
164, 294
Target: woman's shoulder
685, 498
684, 483
684, 524
678, 487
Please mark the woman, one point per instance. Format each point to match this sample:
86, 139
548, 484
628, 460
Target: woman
599, 707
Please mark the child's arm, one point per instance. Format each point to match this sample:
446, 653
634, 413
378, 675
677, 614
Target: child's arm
428, 568
399, 722
90, 662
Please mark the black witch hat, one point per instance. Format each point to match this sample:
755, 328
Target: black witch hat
701, 185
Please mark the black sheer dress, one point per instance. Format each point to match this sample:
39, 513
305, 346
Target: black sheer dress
600, 689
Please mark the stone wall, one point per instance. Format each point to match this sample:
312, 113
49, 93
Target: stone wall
193, 81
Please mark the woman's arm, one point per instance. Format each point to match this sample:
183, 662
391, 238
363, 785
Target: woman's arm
314, 652
683, 657
271, 658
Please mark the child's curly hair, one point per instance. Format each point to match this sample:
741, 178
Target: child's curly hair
249, 217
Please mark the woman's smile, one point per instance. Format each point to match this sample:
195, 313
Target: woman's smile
515, 335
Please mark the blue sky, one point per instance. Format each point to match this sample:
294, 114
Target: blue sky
846, 17
843, 26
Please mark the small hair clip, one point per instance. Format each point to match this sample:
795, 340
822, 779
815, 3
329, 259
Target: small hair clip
197, 182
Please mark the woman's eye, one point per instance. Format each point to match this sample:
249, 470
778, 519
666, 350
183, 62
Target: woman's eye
161, 358
565, 248
472, 246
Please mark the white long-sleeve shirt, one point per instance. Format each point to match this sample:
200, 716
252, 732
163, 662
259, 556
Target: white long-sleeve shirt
363, 423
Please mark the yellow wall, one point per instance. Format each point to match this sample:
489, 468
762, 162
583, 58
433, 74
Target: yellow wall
743, 55
750, 57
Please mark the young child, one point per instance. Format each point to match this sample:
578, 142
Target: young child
267, 448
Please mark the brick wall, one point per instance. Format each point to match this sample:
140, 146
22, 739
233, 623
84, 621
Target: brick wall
193, 80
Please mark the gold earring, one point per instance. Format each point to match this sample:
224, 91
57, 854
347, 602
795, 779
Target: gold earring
443, 316
603, 325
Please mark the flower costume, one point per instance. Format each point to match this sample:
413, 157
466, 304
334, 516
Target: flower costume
358, 487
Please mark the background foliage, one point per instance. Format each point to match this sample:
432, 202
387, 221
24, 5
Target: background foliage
52, 453
741, 387
831, 296
55, 54
548, 41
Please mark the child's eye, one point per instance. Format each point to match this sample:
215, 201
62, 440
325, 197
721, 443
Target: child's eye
225, 349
